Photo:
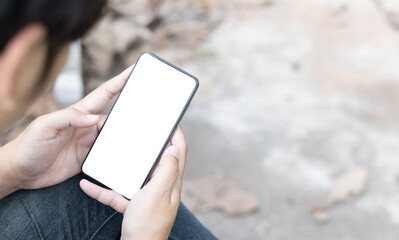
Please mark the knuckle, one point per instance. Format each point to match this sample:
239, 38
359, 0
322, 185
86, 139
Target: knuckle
77, 106
113, 202
73, 110
108, 92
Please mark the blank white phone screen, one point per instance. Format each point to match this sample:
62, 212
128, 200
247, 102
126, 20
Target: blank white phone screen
139, 125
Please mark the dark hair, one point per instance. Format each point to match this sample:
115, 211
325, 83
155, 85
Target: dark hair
65, 20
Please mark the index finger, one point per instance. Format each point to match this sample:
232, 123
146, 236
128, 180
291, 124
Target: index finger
98, 98
104, 196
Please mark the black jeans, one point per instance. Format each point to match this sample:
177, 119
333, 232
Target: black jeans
64, 211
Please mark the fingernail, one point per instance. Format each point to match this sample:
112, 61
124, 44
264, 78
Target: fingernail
92, 117
174, 151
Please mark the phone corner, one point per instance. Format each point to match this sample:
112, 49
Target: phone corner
82, 169
197, 83
145, 53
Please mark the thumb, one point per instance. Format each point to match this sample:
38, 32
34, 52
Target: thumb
167, 171
69, 117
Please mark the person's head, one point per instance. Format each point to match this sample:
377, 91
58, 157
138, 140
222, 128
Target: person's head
34, 42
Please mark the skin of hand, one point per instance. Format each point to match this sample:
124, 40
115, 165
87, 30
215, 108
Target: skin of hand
52, 148
151, 212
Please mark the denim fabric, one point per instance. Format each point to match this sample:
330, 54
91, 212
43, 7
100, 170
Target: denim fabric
63, 211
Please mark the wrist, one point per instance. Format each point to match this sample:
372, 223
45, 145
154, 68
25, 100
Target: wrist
150, 237
144, 233
6, 184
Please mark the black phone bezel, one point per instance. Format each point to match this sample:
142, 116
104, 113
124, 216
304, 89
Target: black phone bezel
146, 180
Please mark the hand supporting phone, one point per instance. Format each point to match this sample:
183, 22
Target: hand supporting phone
140, 125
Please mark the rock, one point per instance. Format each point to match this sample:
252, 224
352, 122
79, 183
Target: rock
112, 38
98, 61
253, 3
98, 48
131, 27
211, 5
124, 36
140, 11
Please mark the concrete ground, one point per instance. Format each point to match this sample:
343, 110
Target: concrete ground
294, 131
293, 95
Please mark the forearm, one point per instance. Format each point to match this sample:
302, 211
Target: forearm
6, 187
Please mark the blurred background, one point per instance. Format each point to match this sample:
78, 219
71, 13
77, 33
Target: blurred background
294, 132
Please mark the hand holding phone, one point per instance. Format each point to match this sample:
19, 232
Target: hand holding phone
138, 130
52, 148
140, 125
151, 212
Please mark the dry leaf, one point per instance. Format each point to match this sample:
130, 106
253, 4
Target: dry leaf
236, 202
349, 186
217, 193
320, 214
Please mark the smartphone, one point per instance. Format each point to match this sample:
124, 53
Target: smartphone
140, 125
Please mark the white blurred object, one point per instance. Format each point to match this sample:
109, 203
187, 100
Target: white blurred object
68, 88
